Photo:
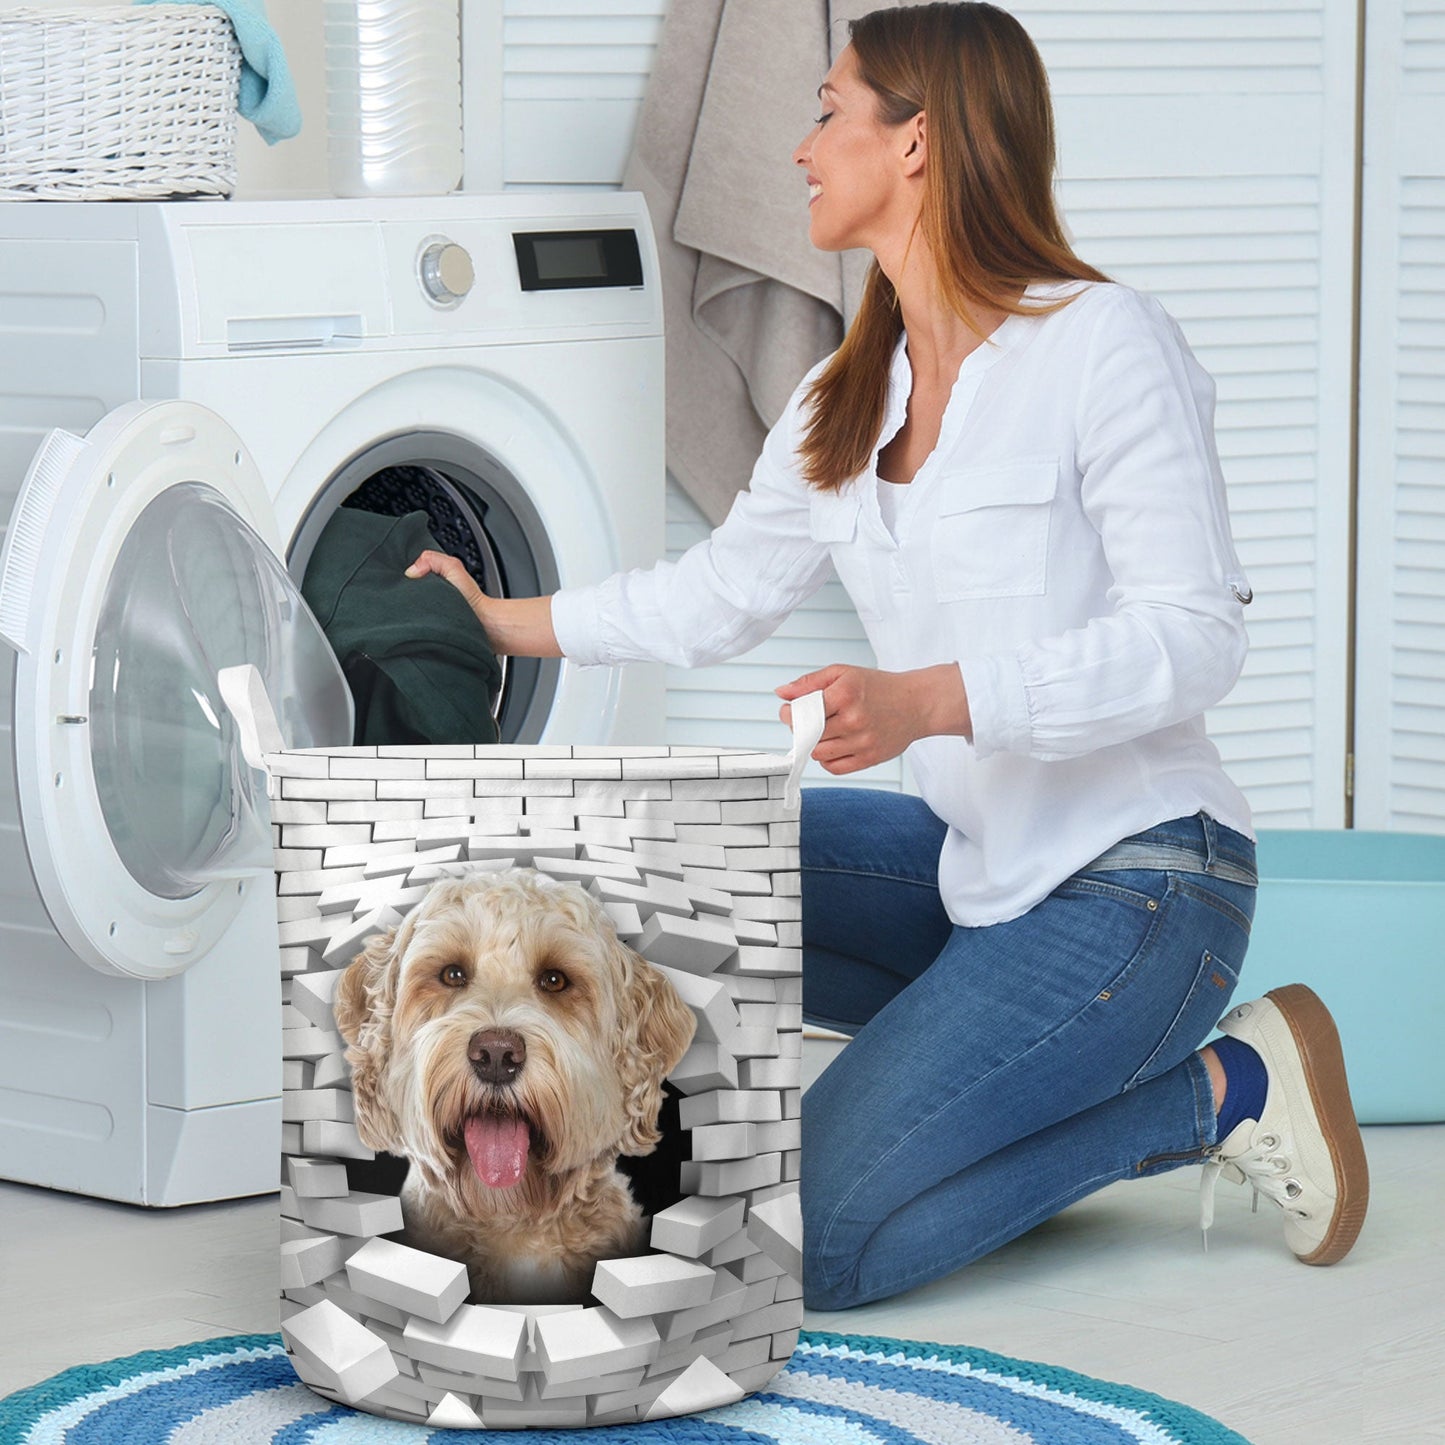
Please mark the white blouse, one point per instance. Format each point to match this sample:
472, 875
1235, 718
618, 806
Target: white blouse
1066, 544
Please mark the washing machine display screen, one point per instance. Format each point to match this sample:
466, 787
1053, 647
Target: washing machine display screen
194, 590
576, 260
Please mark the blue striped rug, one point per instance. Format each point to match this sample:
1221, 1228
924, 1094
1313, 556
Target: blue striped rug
837, 1390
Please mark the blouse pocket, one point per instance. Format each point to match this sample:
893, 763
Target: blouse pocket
992, 537
833, 520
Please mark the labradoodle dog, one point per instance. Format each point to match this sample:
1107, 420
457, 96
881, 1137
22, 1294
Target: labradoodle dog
505, 1042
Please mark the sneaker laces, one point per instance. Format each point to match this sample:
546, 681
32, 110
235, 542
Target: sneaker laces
1262, 1167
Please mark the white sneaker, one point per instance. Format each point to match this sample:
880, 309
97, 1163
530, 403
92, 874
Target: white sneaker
1306, 1153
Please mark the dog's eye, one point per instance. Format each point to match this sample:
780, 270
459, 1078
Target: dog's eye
454, 975
552, 980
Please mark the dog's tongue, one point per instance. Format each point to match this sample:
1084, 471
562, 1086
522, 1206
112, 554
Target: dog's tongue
498, 1148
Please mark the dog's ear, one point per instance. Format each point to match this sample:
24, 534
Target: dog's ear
657, 1028
365, 998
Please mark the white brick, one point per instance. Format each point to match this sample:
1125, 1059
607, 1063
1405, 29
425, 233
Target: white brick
771, 909
705, 1065
762, 860
306, 933
310, 1043
671, 812
647, 900
371, 1312
778, 1137
474, 768
769, 1073
768, 962
335, 1138
296, 1073
648, 1283
301, 1105
575, 768
723, 1141
535, 1414
579, 1344
732, 1176
692, 944
433, 832
313, 994
524, 848
373, 810
316, 1179
728, 1297
615, 1382
753, 1043
709, 1000
723, 790
672, 767
373, 767
308, 1260
751, 932
359, 1214
694, 1225
298, 811
731, 1106
324, 835
725, 835
355, 789
284, 860
583, 871
453, 1413
347, 942
730, 1250
702, 1386
475, 1340
410, 1279
473, 1384
343, 1354
626, 920
728, 880
401, 862
331, 1072
298, 959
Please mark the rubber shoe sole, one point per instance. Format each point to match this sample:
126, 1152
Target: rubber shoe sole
1318, 1042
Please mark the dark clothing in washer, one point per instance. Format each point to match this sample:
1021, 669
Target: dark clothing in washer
419, 666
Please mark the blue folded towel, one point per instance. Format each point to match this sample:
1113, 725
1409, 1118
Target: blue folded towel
268, 94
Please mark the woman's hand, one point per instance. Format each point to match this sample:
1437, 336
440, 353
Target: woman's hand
515, 626
873, 716
443, 564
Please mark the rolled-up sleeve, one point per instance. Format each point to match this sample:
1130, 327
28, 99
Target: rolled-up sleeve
1174, 641
722, 596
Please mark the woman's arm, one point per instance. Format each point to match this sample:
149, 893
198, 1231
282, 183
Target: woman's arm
873, 716
515, 626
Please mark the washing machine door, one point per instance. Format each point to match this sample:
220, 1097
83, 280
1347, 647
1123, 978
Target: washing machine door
140, 560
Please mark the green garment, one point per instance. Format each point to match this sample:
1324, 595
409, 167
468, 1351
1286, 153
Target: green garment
415, 657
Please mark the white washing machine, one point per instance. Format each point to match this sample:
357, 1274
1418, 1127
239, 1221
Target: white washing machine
220, 377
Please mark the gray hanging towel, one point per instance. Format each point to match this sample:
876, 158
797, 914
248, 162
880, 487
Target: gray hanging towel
749, 304
419, 666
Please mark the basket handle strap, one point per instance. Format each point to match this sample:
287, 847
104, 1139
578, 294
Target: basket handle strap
808, 720
244, 693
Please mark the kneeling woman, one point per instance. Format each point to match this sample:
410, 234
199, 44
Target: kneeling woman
1010, 463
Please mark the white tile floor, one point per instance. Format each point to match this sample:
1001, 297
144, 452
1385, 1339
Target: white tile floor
1116, 1287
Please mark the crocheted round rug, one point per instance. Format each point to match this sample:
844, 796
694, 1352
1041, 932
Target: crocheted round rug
837, 1390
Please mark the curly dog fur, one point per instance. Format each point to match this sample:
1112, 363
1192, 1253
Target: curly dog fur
505, 1042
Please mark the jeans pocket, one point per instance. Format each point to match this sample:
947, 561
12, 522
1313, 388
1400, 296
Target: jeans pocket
1205, 1002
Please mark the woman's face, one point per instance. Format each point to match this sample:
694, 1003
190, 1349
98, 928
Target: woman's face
856, 188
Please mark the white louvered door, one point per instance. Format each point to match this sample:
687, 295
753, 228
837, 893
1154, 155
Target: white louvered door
1206, 155
1400, 600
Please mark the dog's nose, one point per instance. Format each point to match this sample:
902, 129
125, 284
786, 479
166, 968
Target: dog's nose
497, 1055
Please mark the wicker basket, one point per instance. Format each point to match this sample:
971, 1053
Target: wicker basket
117, 104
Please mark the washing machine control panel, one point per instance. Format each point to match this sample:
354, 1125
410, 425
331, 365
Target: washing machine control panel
447, 273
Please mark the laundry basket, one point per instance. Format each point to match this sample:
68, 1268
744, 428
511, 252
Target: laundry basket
692, 855
117, 103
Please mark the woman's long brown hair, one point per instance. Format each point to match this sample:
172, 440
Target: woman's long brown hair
988, 212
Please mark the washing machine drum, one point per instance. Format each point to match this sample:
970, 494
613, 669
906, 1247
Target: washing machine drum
419, 667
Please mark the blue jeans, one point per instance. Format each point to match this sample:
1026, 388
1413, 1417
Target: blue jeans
998, 1074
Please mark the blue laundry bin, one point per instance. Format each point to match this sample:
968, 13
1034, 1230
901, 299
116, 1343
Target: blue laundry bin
1360, 918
